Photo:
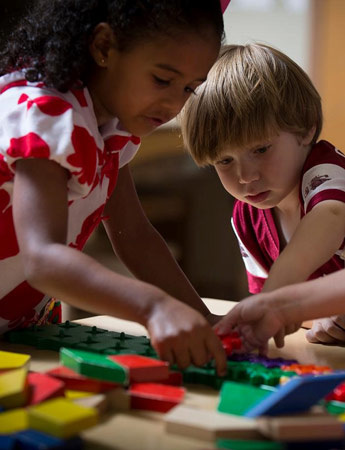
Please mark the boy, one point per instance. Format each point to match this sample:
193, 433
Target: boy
257, 120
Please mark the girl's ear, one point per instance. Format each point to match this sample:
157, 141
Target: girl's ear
307, 139
102, 41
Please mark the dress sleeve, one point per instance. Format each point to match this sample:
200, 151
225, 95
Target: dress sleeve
41, 125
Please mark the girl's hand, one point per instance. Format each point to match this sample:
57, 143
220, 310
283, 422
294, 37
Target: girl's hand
330, 330
182, 336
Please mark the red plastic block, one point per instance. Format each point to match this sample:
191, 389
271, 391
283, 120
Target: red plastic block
44, 387
155, 397
75, 382
175, 379
231, 342
142, 368
338, 394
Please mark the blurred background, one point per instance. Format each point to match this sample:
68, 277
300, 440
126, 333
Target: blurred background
187, 204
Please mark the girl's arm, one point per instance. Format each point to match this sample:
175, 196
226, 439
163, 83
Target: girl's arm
142, 248
179, 333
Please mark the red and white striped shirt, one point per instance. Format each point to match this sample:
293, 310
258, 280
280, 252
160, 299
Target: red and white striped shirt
322, 178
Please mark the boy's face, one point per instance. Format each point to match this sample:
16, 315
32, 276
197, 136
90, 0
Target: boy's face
266, 174
148, 84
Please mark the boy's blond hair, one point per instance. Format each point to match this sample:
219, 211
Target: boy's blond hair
251, 93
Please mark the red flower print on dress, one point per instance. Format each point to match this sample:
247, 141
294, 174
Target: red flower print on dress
80, 96
89, 224
13, 84
18, 305
110, 170
9, 245
85, 156
48, 104
117, 142
5, 173
28, 146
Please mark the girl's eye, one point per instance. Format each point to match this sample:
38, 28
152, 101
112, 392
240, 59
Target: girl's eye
160, 81
190, 90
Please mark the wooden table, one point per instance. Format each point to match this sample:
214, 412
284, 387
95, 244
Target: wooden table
145, 431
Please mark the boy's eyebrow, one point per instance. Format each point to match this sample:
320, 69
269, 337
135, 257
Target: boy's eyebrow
172, 69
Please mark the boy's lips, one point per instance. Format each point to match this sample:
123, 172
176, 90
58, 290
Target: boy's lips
257, 198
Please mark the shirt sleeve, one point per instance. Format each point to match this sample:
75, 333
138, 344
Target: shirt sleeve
41, 125
323, 177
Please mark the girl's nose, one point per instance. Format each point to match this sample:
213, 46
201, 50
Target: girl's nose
174, 102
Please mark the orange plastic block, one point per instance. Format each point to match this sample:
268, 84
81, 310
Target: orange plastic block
13, 388
155, 397
44, 387
61, 418
142, 368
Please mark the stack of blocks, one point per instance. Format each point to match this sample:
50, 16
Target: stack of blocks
102, 369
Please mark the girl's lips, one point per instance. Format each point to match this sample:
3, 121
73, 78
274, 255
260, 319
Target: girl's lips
258, 198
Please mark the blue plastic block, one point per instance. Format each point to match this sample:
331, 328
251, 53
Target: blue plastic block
7, 442
297, 395
36, 440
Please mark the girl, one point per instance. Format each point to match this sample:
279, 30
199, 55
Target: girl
82, 81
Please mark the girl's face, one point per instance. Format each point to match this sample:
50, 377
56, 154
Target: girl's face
148, 84
266, 174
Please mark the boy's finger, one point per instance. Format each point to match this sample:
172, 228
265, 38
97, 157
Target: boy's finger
279, 339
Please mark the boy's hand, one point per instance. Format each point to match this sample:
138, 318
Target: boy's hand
182, 336
330, 330
257, 321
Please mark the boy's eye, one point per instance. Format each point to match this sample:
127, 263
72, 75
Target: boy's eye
161, 81
224, 162
262, 149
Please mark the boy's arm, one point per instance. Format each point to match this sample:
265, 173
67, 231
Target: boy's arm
262, 316
318, 236
179, 333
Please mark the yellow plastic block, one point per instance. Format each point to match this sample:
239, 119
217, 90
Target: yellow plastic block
72, 394
61, 417
14, 421
13, 388
10, 360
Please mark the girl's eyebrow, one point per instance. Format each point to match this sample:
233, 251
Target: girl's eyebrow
177, 72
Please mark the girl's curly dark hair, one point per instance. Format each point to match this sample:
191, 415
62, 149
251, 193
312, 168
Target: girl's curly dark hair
51, 42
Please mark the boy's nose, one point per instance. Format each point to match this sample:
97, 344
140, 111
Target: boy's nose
247, 173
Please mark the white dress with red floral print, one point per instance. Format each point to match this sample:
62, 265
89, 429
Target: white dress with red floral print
40, 122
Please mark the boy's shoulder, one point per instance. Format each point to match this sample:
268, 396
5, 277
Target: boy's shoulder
323, 152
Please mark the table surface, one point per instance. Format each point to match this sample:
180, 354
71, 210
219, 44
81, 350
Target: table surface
145, 431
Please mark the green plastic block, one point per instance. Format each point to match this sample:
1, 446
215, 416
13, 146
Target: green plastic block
93, 365
249, 445
237, 398
335, 407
